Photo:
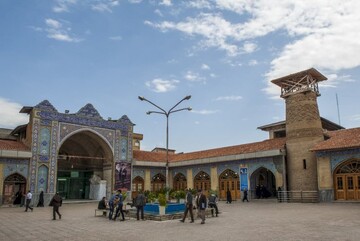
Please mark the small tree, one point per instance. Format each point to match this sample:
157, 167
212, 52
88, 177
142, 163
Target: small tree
162, 199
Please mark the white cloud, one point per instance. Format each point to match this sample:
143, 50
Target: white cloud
162, 86
205, 67
165, 3
205, 112
191, 76
135, 1
63, 5
324, 34
253, 62
115, 38
56, 30
104, 5
10, 116
249, 47
199, 4
229, 98
158, 12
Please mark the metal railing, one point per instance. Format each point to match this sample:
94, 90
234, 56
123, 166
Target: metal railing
298, 196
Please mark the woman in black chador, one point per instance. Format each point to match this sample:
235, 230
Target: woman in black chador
18, 197
228, 196
41, 199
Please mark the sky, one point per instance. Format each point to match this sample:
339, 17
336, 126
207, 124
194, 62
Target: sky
223, 53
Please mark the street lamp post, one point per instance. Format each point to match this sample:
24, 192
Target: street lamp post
167, 114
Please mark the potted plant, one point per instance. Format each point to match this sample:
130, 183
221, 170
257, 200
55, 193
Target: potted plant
162, 203
180, 196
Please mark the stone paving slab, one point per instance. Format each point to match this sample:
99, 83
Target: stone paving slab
257, 220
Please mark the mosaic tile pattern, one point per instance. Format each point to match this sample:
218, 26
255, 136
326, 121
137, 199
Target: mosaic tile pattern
34, 150
12, 166
44, 142
123, 149
338, 158
53, 161
197, 169
138, 172
154, 171
42, 178
267, 163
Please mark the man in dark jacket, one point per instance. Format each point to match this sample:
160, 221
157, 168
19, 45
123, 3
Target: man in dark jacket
56, 202
188, 206
202, 202
212, 204
140, 202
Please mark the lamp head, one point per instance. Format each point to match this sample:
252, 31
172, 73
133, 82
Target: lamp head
189, 109
188, 97
148, 113
142, 98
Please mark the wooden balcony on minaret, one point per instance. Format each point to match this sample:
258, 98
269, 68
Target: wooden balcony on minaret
303, 81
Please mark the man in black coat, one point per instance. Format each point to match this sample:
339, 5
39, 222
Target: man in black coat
188, 206
201, 204
56, 202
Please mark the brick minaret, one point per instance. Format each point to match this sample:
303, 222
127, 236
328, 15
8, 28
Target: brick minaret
303, 127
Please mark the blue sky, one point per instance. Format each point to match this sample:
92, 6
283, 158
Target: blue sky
223, 53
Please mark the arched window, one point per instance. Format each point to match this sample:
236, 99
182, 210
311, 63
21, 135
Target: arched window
158, 182
229, 179
202, 181
180, 182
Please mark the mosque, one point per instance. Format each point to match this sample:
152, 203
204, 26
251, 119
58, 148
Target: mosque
81, 154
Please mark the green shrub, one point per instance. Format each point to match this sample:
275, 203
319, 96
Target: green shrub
162, 199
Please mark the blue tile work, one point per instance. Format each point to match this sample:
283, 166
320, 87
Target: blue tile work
154, 171
176, 170
89, 111
138, 172
255, 164
197, 169
44, 143
130, 145
232, 166
117, 145
42, 178
123, 148
34, 151
45, 105
337, 158
12, 166
53, 161
69, 129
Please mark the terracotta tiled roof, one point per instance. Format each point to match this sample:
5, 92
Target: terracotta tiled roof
267, 145
340, 139
13, 145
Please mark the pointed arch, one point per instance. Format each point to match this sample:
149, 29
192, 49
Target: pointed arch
13, 184
180, 182
202, 181
229, 180
347, 180
158, 182
262, 183
137, 186
42, 176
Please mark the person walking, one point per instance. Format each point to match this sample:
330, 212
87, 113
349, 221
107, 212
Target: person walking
245, 195
140, 203
113, 200
188, 206
201, 206
28, 201
212, 204
120, 208
41, 199
228, 196
56, 202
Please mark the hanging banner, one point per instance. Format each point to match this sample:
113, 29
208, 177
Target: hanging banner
243, 178
122, 176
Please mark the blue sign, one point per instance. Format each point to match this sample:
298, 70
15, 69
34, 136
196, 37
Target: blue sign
243, 179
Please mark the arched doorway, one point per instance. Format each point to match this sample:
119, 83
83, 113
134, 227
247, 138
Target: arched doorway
229, 180
13, 184
264, 181
137, 185
347, 181
180, 182
202, 181
81, 156
158, 182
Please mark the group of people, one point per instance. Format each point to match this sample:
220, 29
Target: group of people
201, 202
55, 202
261, 192
116, 203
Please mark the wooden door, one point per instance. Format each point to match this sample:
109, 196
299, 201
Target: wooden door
339, 187
350, 187
357, 187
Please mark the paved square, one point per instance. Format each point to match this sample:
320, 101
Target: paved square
256, 220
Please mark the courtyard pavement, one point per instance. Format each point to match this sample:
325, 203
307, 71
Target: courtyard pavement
256, 220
